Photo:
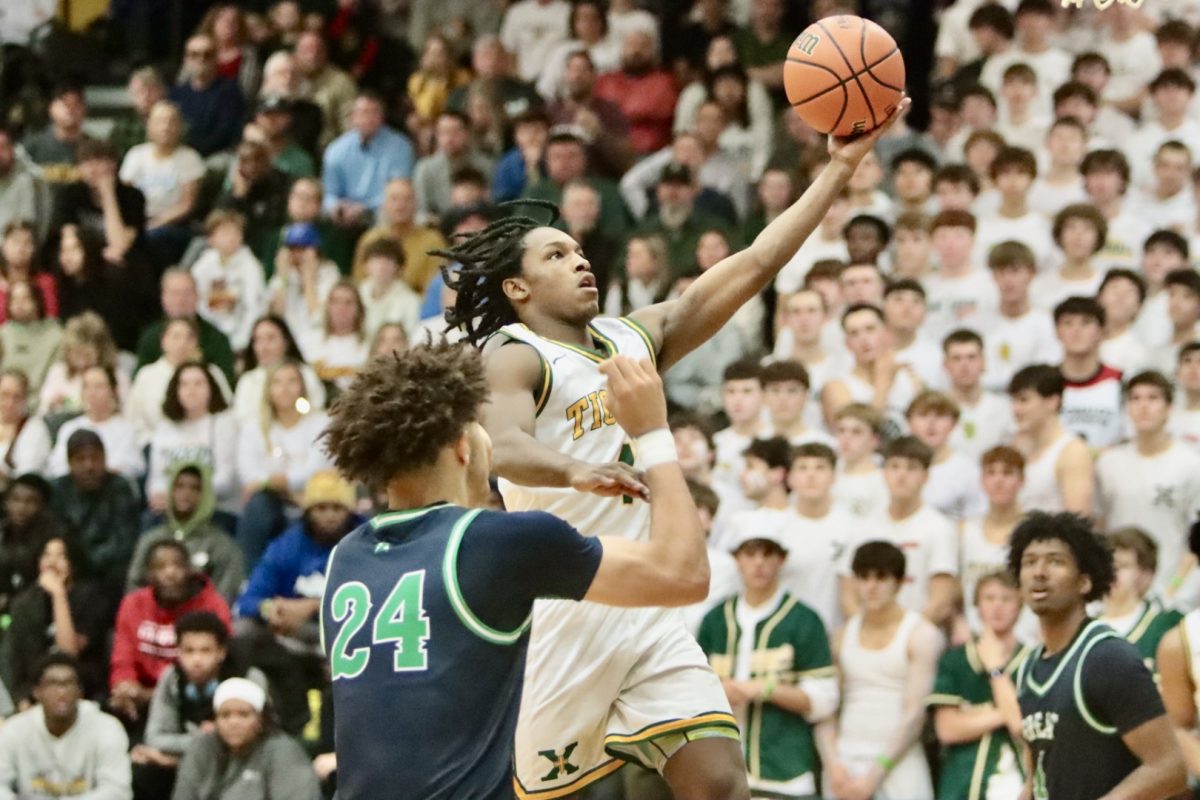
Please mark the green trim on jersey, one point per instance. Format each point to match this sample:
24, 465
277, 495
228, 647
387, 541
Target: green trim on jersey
450, 577
1040, 689
407, 515
645, 334
1077, 684
610, 348
1149, 630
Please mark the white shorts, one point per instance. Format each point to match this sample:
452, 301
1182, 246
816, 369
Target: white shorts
606, 685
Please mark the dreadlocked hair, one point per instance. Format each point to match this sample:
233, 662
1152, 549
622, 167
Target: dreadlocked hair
486, 259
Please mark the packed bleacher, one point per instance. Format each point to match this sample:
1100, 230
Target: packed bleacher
213, 214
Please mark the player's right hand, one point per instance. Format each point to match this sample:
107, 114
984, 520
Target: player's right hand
635, 394
609, 480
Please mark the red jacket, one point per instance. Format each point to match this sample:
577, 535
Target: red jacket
144, 644
648, 101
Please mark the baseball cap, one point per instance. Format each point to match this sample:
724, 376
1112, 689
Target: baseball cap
754, 533
301, 234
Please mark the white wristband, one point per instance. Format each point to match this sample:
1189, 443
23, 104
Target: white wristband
654, 448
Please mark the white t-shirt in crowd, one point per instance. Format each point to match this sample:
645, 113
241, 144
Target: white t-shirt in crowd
161, 180
1048, 199
1031, 229
953, 488
295, 452
1149, 137
1050, 288
930, 548
1184, 424
983, 426
1126, 352
1012, 343
958, 302
1127, 235
924, 355
530, 30
232, 293
122, 453
817, 555
1159, 494
1177, 212
864, 495
815, 248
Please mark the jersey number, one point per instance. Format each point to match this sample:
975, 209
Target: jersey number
401, 619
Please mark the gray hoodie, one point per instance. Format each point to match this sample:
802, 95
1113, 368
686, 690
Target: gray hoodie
88, 762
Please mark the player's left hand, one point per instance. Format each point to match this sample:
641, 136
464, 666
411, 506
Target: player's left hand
851, 149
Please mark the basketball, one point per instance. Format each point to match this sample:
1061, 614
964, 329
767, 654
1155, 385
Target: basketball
844, 75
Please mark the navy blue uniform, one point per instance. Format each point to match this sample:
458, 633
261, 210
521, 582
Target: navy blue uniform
1076, 705
425, 622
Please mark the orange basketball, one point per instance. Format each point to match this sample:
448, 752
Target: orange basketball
844, 75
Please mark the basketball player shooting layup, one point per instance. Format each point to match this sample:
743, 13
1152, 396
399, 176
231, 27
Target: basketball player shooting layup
605, 685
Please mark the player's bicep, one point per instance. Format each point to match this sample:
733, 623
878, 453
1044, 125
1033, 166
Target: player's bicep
1075, 471
518, 380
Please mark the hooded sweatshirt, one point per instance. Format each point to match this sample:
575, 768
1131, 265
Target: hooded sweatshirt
88, 762
214, 552
144, 644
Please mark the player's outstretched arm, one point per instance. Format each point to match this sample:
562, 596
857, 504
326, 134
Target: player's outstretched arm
679, 326
671, 569
514, 375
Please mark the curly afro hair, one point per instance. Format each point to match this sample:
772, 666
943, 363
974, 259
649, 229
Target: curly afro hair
402, 409
1092, 552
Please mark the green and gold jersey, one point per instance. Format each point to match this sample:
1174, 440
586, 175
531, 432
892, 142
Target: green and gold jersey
1147, 630
969, 767
790, 646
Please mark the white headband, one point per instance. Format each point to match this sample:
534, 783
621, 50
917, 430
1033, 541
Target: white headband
240, 689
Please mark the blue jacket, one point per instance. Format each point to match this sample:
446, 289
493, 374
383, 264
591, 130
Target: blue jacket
293, 566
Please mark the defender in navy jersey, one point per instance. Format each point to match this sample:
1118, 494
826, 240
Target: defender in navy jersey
426, 613
1091, 715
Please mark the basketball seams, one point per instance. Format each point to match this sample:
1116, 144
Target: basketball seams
862, 52
875, 77
824, 91
853, 74
840, 80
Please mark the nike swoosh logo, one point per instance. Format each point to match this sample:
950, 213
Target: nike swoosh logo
554, 361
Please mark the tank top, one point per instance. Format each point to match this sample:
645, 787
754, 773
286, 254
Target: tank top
1041, 491
873, 685
573, 419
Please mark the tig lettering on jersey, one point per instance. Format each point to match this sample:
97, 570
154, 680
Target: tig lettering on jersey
1039, 725
591, 409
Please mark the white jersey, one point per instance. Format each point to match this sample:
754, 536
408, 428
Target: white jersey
595, 674
1159, 494
954, 489
1041, 491
873, 691
1050, 288
817, 555
930, 547
983, 426
572, 419
864, 494
1128, 353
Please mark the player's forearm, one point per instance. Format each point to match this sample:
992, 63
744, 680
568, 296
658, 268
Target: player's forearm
520, 458
906, 734
675, 531
780, 240
1162, 778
